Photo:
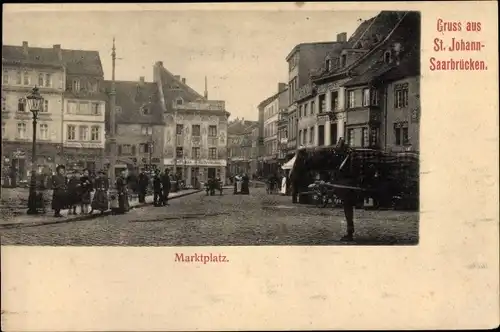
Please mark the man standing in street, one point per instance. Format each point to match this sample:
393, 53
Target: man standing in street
143, 186
157, 197
165, 182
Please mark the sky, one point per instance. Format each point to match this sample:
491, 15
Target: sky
241, 52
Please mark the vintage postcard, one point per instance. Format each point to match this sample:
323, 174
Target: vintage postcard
250, 166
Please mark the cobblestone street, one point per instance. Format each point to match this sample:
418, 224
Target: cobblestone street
196, 220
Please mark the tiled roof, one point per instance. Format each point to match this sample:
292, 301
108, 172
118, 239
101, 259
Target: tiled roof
76, 61
131, 97
238, 128
407, 33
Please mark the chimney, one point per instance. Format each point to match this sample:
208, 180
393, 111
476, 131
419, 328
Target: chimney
159, 63
141, 79
281, 87
342, 37
25, 47
177, 77
183, 80
57, 49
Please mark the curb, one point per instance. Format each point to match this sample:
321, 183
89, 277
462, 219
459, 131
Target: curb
82, 218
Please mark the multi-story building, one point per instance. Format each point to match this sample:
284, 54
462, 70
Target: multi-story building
239, 145
139, 124
302, 62
282, 134
23, 68
328, 94
272, 107
195, 135
254, 155
383, 96
84, 109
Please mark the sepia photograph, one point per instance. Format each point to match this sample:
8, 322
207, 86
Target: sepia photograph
211, 128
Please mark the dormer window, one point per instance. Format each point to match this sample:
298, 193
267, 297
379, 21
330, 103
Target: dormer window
145, 110
387, 57
343, 60
179, 101
328, 64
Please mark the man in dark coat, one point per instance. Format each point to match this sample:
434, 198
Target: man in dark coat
157, 194
143, 186
60, 187
165, 183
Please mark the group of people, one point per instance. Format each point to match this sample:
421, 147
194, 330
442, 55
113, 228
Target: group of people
161, 188
77, 189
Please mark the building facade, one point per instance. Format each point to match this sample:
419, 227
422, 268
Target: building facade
240, 145
139, 125
272, 107
303, 62
195, 132
23, 68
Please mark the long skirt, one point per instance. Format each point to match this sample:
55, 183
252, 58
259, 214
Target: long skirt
86, 197
123, 205
100, 201
59, 200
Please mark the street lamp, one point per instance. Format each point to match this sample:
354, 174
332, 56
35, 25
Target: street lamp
35, 102
150, 148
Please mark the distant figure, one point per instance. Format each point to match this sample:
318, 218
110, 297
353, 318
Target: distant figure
60, 187
165, 183
86, 188
121, 188
74, 193
157, 189
101, 185
143, 186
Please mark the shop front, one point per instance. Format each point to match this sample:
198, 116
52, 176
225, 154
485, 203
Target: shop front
195, 171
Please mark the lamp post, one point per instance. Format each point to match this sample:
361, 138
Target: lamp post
150, 149
34, 101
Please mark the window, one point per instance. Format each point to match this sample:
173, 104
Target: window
72, 107
44, 131
21, 105
18, 77
328, 65
26, 78
196, 153
41, 79
45, 107
95, 134
179, 101
179, 152
401, 97
5, 77
334, 100
313, 108
401, 133
92, 86
343, 60
76, 85
48, 80
71, 133
146, 148
212, 131
196, 130
3, 130
4, 104
84, 109
84, 133
126, 150
145, 110
21, 130
374, 97
300, 137
311, 135
365, 142
366, 97
321, 135
322, 104
147, 130
95, 109
350, 136
304, 138
212, 153
179, 129
350, 99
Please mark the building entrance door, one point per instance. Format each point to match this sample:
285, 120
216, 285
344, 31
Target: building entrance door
211, 173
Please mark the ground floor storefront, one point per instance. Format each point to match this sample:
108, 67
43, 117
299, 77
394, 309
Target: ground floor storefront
194, 172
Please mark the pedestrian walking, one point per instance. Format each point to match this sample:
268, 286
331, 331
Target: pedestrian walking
165, 183
101, 185
143, 183
60, 187
157, 192
86, 188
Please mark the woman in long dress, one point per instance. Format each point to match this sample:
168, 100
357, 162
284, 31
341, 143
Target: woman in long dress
86, 191
60, 191
101, 185
122, 191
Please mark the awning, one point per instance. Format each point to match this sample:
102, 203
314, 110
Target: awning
289, 164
